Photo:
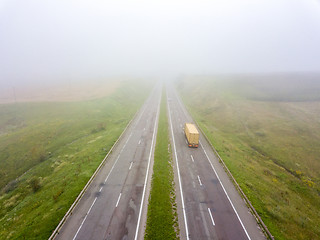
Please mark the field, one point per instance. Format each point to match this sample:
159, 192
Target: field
49, 150
162, 219
267, 130
68, 91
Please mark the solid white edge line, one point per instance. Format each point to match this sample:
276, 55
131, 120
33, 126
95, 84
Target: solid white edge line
110, 171
234, 209
217, 176
211, 217
85, 218
179, 178
192, 158
118, 200
100, 190
145, 182
130, 165
199, 181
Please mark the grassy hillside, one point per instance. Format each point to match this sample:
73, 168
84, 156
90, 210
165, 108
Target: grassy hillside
271, 147
162, 220
48, 151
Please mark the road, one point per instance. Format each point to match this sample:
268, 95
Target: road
210, 206
114, 205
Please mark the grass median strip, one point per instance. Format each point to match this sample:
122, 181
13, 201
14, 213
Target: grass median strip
162, 219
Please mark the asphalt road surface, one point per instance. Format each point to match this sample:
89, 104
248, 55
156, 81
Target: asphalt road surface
114, 205
210, 206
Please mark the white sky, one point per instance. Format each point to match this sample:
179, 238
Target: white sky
59, 39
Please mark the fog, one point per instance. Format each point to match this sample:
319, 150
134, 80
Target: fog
55, 40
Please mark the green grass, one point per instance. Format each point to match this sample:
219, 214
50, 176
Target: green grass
162, 218
48, 152
272, 149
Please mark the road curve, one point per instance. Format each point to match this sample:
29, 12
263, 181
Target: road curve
210, 206
115, 202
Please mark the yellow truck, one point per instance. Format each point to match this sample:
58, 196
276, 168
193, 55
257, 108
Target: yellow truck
192, 135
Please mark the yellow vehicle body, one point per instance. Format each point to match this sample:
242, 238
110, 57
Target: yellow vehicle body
192, 135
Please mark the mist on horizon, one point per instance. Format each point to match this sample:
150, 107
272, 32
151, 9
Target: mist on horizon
52, 41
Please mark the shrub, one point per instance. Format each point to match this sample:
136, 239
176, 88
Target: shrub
35, 184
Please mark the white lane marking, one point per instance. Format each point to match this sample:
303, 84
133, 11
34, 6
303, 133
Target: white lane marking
130, 165
126, 142
109, 174
211, 217
192, 158
179, 178
145, 181
217, 175
183, 109
199, 181
117, 158
144, 129
139, 142
84, 219
204, 220
181, 125
111, 169
95, 199
226, 193
118, 200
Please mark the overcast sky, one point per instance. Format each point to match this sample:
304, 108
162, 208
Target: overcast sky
63, 39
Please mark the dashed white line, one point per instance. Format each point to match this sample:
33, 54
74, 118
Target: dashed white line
211, 217
179, 178
199, 181
84, 218
139, 142
144, 129
126, 142
234, 209
218, 177
96, 198
111, 169
118, 200
146, 178
192, 158
108, 176
204, 219
130, 165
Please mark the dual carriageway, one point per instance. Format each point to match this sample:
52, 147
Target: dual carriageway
114, 206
